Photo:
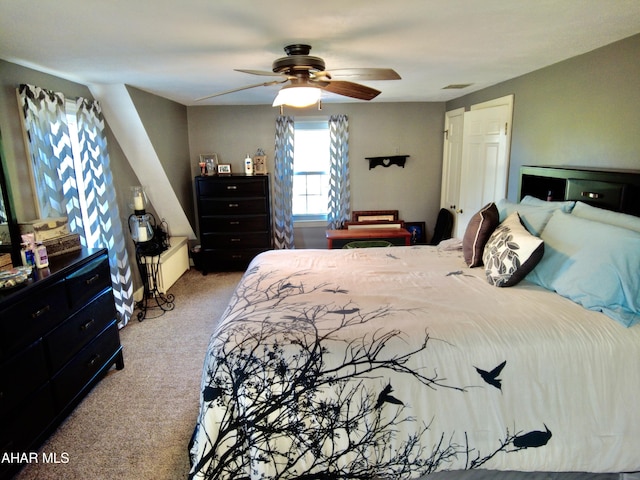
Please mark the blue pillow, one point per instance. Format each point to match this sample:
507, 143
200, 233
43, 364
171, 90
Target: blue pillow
534, 217
592, 263
584, 210
564, 205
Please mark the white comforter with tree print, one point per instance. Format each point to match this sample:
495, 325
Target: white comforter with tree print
399, 362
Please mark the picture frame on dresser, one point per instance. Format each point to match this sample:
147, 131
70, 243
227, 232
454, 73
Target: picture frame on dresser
260, 164
418, 231
210, 161
224, 169
376, 224
374, 216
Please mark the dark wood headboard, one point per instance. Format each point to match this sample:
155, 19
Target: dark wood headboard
617, 190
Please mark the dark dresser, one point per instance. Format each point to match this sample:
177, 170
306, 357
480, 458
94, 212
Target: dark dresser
234, 218
58, 336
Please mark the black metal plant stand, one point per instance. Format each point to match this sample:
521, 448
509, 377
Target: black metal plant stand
148, 261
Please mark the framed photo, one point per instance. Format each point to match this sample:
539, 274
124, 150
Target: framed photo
260, 164
210, 161
377, 224
224, 169
418, 232
374, 216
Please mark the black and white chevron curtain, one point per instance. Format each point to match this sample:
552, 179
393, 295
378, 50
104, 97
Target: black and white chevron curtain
339, 186
80, 189
283, 184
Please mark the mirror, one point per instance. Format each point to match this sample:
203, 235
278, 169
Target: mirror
9, 231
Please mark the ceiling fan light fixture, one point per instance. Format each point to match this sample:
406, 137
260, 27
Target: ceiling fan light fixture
297, 96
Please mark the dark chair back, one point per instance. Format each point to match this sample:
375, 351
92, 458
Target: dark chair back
443, 228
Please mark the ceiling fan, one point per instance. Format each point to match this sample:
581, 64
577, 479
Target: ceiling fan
307, 77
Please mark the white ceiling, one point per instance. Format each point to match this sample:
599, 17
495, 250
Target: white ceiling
187, 49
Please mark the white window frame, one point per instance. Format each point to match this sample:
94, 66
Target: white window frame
313, 123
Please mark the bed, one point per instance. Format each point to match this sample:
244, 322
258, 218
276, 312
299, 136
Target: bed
404, 362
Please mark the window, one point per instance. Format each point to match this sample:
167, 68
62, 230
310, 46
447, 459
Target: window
311, 164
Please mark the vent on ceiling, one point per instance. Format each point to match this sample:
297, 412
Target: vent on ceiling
457, 86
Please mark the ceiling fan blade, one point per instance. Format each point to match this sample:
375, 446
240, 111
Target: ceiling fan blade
259, 72
247, 87
363, 74
350, 89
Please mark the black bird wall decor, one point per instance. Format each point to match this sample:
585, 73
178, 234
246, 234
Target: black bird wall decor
492, 377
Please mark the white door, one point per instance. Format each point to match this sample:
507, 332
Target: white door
485, 159
451, 161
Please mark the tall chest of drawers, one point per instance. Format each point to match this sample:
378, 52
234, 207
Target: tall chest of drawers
58, 335
234, 218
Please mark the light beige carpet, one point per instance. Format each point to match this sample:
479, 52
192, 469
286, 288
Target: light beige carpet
137, 422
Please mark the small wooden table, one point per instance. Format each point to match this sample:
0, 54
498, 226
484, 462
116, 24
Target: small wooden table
339, 238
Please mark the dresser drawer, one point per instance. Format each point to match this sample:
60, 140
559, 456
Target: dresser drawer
28, 319
88, 281
85, 365
602, 194
232, 187
232, 206
21, 375
231, 257
227, 223
236, 240
21, 429
78, 330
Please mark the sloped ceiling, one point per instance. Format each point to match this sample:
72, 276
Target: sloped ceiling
189, 49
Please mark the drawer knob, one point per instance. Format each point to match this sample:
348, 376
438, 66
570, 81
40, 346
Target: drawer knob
235, 239
87, 325
42, 311
232, 187
592, 195
93, 360
89, 281
234, 222
232, 205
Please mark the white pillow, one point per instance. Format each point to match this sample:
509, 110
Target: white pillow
584, 210
511, 253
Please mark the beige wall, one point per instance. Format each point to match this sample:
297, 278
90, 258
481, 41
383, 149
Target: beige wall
584, 111
166, 125
375, 129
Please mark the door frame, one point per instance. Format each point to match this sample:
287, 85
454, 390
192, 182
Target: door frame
451, 160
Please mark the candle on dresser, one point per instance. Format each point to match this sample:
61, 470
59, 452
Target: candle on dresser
142, 233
